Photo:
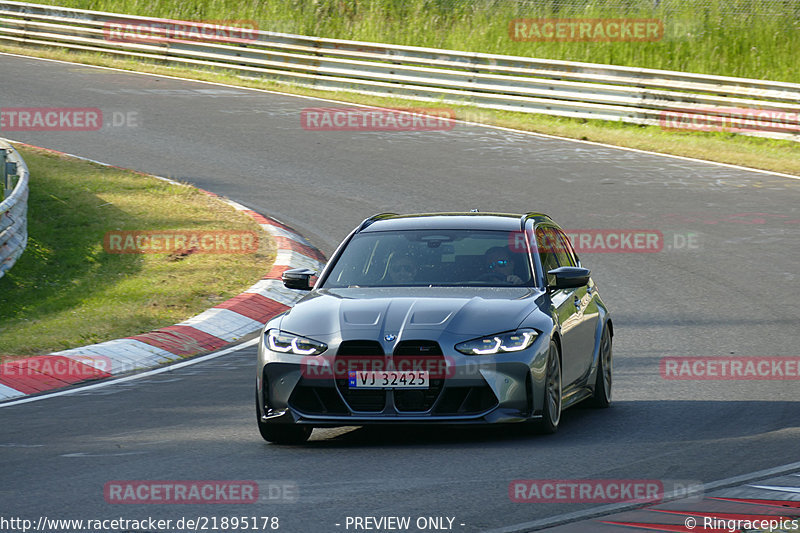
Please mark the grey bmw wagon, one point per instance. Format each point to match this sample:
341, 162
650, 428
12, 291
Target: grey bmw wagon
442, 318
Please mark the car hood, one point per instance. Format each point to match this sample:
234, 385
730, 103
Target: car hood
409, 312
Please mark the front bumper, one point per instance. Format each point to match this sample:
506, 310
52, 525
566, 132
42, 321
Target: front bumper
476, 390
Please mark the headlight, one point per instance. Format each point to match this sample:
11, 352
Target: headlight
514, 341
280, 341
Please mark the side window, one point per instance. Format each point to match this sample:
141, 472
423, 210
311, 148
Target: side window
564, 252
547, 244
571, 249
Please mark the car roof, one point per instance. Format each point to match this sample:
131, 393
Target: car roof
446, 221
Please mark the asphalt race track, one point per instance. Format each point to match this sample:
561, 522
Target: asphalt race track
734, 291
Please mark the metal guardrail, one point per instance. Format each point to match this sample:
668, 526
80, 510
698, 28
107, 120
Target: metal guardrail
582, 90
14, 207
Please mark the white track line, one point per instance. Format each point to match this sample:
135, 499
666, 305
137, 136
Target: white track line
501, 128
148, 373
622, 506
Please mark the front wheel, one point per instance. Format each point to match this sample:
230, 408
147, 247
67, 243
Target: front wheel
281, 433
551, 415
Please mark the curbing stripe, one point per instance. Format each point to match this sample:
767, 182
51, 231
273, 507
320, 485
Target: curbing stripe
277, 231
254, 306
29, 381
223, 324
274, 289
45, 372
276, 272
124, 355
211, 330
66, 369
294, 259
172, 342
7, 393
200, 339
287, 244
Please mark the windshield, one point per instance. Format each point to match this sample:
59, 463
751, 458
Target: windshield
431, 258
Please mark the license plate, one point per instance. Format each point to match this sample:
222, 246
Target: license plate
388, 379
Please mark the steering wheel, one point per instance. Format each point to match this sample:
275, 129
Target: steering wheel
492, 276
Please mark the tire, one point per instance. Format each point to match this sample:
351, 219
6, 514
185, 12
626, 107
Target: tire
281, 433
605, 366
551, 409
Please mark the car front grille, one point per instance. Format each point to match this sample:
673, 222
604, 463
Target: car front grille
359, 352
406, 352
411, 351
312, 397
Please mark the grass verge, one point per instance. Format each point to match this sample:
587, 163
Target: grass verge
66, 290
755, 152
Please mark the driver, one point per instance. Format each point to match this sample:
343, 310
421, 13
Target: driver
500, 265
401, 269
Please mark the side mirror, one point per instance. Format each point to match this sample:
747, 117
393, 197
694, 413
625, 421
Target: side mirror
298, 278
568, 277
